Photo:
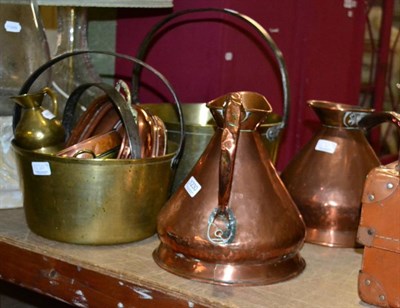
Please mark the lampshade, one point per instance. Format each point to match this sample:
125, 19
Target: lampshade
109, 3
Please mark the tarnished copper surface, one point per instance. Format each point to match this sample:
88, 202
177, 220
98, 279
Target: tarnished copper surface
326, 177
258, 237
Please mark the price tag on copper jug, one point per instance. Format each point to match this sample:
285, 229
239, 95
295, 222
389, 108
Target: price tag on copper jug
41, 168
326, 146
192, 187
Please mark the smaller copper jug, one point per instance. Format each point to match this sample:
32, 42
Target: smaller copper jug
38, 129
232, 221
326, 177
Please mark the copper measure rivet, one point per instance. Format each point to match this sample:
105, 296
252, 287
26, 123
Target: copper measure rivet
371, 197
370, 232
382, 297
389, 185
367, 282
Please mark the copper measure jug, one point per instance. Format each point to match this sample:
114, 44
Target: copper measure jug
326, 177
232, 221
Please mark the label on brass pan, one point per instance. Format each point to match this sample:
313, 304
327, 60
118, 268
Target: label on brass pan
192, 187
41, 168
326, 146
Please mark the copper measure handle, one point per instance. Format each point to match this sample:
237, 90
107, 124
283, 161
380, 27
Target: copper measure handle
272, 132
222, 222
371, 120
377, 118
54, 103
229, 141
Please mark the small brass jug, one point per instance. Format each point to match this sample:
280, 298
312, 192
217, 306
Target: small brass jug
232, 221
326, 177
38, 129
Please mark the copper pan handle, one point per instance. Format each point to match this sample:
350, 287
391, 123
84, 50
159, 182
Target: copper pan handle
222, 222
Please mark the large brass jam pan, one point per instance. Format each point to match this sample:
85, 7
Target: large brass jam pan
92, 201
96, 201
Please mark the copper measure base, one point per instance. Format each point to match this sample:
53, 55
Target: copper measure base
332, 238
238, 274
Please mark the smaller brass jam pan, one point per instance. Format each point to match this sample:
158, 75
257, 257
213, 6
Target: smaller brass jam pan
93, 201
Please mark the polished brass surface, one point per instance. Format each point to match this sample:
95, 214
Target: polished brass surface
38, 128
232, 221
327, 176
92, 201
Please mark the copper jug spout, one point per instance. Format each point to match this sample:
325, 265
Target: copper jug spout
232, 221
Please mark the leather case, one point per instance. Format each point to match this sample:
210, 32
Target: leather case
379, 232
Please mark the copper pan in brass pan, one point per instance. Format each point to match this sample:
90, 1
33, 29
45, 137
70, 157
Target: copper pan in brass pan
96, 146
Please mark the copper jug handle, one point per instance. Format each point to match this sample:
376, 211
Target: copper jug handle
222, 222
371, 120
377, 118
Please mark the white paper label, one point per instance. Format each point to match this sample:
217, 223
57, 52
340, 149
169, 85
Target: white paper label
327, 146
41, 168
48, 114
12, 26
192, 187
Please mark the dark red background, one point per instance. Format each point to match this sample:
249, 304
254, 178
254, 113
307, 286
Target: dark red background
322, 43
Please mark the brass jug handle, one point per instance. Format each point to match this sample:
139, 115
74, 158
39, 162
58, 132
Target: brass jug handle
222, 222
53, 97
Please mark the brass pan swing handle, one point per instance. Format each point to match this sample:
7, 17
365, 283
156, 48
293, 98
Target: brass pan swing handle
272, 132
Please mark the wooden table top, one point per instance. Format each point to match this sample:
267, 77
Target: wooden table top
128, 271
